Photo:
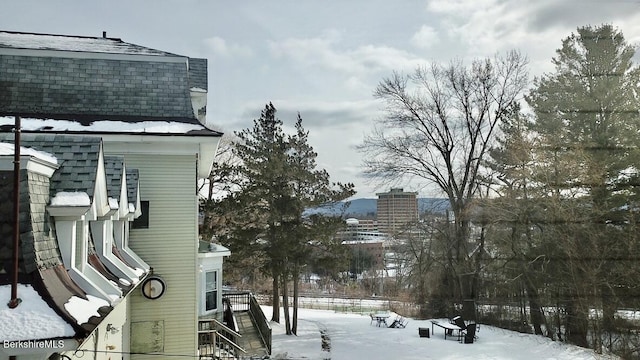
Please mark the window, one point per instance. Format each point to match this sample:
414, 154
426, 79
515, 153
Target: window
143, 221
211, 290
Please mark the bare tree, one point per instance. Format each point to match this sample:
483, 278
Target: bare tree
439, 123
222, 180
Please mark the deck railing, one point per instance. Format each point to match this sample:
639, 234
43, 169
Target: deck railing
213, 345
245, 301
261, 322
222, 329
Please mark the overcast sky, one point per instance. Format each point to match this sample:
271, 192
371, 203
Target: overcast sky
324, 58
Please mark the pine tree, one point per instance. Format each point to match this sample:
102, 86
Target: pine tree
516, 208
280, 180
587, 120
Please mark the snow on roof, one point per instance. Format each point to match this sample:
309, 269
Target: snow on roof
82, 310
138, 272
33, 319
74, 43
113, 203
7, 149
155, 127
71, 199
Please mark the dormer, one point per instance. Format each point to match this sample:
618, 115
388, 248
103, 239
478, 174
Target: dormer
114, 247
70, 211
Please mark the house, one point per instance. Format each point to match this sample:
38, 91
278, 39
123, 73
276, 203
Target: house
113, 141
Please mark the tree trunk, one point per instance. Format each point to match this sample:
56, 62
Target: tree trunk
577, 322
285, 305
535, 309
609, 306
275, 297
296, 279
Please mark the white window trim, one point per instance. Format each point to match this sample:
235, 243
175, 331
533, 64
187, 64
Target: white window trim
102, 232
88, 278
203, 294
121, 224
121, 239
211, 261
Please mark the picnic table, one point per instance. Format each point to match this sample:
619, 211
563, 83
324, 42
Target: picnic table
448, 328
380, 319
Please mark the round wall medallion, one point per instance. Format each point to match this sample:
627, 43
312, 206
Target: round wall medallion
153, 287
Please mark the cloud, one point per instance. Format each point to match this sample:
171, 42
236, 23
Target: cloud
426, 37
327, 51
315, 114
490, 26
221, 48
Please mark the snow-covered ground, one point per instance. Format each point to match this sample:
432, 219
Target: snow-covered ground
352, 336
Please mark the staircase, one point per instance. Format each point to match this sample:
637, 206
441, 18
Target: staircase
244, 333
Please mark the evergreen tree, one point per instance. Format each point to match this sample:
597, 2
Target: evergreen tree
587, 121
280, 180
516, 209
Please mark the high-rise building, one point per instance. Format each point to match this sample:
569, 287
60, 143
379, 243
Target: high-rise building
396, 209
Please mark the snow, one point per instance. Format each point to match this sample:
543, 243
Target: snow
138, 272
8, 148
113, 203
352, 336
71, 199
82, 309
73, 43
154, 127
32, 319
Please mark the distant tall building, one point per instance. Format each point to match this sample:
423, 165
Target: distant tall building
396, 209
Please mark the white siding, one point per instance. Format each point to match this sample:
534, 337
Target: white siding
108, 345
169, 246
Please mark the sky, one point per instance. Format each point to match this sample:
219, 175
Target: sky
323, 58
353, 336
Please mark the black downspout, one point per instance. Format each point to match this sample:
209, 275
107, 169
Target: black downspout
15, 301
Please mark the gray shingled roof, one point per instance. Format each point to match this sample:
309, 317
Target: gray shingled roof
37, 248
97, 87
94, 88
34, 41
77, 157
132, 185
113, 170
198, 73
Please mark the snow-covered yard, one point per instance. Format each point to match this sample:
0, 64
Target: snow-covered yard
352, 336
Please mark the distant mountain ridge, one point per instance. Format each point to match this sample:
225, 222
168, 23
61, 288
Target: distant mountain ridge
369, 207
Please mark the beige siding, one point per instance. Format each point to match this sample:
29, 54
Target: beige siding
169, 246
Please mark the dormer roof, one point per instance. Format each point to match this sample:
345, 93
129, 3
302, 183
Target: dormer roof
77, 157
